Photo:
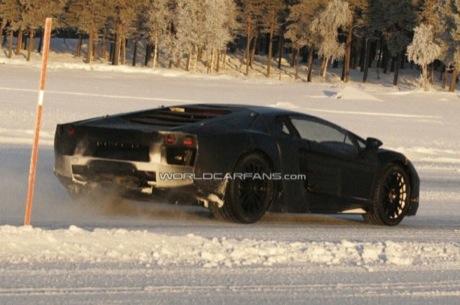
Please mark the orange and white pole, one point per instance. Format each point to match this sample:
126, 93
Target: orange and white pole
41, 93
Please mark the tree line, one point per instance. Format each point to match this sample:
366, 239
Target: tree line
384, 34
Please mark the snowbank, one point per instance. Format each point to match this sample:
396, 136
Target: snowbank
35, 245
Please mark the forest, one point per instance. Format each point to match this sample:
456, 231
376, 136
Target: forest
355, 34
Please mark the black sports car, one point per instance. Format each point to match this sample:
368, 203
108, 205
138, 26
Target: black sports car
238, 161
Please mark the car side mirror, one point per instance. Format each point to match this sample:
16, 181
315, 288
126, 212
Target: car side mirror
373, 143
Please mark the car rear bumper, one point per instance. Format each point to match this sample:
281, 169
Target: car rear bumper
82, 170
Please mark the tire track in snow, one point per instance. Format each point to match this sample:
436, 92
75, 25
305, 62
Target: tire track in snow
336, 290
279, 104
108, 96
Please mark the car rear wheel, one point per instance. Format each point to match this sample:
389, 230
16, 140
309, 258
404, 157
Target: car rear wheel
391, 198
250, 192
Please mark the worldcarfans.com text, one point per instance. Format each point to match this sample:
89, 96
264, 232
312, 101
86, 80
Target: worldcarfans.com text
231, 176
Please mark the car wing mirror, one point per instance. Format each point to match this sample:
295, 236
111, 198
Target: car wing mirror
373, 143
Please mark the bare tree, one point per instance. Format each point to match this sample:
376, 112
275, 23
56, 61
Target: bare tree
220, 27
191, 29
203, 29
251, 19
299, 29
230, 24
271, 13
336, 15
159, 18
423, 50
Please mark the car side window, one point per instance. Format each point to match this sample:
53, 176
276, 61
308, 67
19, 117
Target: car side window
282, 126
327, 135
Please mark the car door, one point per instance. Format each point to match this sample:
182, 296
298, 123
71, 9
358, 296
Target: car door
291, 186
339, 177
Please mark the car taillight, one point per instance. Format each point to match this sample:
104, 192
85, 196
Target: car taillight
170, 139
188, 141
71, 131
180, 149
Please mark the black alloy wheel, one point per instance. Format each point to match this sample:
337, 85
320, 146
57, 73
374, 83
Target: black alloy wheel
250, 192
391, 197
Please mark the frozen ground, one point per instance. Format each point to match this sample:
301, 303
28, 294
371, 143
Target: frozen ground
140, 253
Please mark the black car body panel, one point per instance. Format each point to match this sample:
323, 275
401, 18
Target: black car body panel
201, 143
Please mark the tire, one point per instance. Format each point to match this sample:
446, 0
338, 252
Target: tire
391, 197
247, 199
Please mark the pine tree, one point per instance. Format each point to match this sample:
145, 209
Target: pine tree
428, 15
9, 14
122, 15
27, 15
359, 11
449, 36
395, 20
89, 17
11, 11
3, 22
34, 13
423, 50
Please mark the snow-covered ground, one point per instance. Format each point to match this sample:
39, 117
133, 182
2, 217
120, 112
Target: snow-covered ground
126, 252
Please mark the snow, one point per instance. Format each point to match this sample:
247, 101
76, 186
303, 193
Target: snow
74, 244
115, 251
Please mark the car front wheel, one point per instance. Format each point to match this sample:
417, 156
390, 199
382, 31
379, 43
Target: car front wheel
391, 197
